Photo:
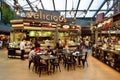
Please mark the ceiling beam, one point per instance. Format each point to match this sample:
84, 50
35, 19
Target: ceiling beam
65, 7
54, 4
30, 5
73, 10
89, 6
42, 4
82, 10
77, 8
100, 8
85, 18
17, 7
111, 7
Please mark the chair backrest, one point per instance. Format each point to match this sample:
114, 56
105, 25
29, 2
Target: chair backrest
36, 59
64, 58
70, 58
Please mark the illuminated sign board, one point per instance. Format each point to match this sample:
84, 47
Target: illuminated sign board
44, 15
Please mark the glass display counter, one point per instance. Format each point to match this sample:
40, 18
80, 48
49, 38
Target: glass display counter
14, 50
108, 56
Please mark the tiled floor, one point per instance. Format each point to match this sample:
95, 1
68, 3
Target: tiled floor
16, 69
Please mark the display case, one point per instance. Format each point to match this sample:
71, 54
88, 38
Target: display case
109, 57
107, 48
14, 50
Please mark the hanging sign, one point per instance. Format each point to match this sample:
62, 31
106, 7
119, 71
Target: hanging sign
44, 15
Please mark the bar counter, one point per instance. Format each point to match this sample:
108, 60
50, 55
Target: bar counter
108, 56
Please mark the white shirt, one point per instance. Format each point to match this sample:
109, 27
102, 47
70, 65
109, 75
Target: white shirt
31, 54
22, 45
1, 43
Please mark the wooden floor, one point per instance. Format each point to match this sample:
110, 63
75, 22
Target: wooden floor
16, 69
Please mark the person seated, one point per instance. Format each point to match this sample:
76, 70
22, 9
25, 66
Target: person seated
37, 48
49, 50
31, 55
78, 48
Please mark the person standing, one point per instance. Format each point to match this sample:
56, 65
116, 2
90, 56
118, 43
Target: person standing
22, 48
1, 43
87, 43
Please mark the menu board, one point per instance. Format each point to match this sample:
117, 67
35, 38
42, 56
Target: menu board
32, 33
39, 34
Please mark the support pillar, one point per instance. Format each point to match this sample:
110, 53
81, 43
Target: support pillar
56, 34
96, 37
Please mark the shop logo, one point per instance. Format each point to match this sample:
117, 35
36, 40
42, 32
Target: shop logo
41, 15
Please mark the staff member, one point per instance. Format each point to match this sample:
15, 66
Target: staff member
22, 48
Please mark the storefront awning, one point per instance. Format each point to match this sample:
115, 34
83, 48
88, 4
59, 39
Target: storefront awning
5, 27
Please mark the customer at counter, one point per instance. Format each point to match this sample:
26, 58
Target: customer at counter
22, 48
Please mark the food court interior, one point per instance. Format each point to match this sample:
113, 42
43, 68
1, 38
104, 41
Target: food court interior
59, 39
